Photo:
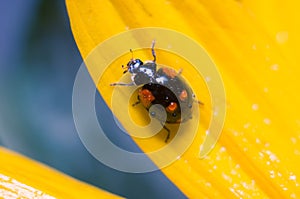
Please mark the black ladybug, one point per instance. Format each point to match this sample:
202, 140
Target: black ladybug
164, 86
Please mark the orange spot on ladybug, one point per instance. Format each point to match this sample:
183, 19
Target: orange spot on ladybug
146, 97
170, 72
183, 95
172, 107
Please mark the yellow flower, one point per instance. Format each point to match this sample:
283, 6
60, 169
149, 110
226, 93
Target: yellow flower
21, 177
254, 45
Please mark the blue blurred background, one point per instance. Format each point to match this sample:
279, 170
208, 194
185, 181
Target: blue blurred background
38, 63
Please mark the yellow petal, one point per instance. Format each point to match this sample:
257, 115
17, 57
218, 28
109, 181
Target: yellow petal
21, 177
255, 50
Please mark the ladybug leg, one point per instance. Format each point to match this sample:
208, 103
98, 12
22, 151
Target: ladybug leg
168, 130
197, 101
153, 51
122, 84
179, 72
136, 103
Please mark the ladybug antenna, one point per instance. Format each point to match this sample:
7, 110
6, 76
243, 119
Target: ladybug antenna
131, 53
153, 52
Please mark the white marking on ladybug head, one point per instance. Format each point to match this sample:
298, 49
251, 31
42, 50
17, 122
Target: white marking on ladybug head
133, 65
136, 65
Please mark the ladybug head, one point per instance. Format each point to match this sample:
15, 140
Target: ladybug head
133, 65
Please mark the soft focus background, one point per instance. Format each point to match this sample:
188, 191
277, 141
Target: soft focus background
38, 63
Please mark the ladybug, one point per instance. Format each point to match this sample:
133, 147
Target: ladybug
164, 87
